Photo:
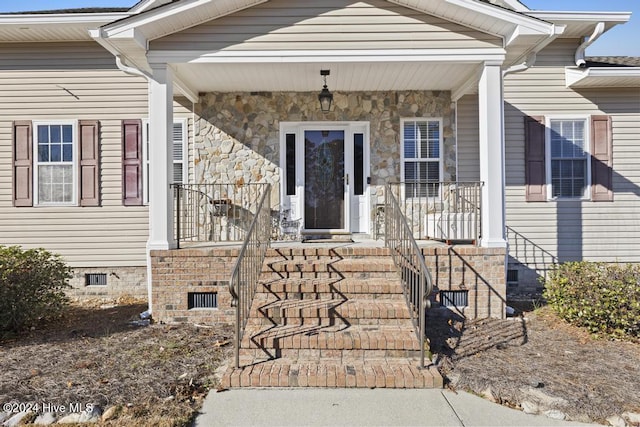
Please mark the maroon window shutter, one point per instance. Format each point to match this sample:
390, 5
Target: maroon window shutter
132, 162
534, 151
22, 163
89, 154
601, 159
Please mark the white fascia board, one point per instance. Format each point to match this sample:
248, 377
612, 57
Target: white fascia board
314, 56
133, 34
536, 26
519, 31
141, 6
154, 16
66, 18
516, 5
595, 17
575, 76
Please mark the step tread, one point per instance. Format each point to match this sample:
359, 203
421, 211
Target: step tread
378, 374
374, 285
335, 337
329, 251
270, 306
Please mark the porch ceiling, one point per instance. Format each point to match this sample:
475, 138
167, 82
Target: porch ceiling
305, 77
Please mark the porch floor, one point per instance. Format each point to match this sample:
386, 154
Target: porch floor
358, 241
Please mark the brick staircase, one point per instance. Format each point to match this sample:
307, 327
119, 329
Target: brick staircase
330, 317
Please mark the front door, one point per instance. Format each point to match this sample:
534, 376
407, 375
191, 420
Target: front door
325, 175
324, 180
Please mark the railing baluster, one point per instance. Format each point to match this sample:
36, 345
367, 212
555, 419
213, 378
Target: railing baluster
399, 238
248, 267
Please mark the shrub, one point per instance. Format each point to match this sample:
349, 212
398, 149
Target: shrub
32, 284
604, 298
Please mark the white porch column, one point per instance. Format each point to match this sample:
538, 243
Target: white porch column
160, 158
491, 133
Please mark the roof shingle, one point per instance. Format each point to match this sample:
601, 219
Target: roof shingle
613, 61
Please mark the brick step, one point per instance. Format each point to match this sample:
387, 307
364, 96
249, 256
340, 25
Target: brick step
338, 337
323, 268
337, 308
250, 356
322, 322
290, 287
378, 374
310, 296
325, 252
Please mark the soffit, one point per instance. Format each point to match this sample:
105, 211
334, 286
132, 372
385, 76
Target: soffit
305, 77
17, 28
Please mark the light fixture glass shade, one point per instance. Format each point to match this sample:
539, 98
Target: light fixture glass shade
326, 99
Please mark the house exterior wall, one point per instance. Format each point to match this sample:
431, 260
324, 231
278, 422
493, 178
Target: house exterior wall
77, 81
541, 233
237, 134
467, 135
334, 24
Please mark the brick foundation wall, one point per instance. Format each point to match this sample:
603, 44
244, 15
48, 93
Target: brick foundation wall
121, 282
177, 272
480, 271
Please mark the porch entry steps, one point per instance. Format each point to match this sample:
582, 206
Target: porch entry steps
330, 317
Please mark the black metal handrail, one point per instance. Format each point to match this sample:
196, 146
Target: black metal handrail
214, 212
248, 267
409, 260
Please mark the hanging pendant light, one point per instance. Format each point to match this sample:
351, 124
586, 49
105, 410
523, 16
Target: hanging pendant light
325, 97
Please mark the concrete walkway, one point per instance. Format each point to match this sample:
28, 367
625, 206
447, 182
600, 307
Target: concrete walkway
360, 407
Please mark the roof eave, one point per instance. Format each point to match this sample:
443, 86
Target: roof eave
62, 18
601, 77
588, 16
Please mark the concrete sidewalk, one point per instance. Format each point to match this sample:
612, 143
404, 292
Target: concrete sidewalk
360, 407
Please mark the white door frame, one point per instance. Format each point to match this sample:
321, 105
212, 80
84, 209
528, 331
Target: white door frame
295, 203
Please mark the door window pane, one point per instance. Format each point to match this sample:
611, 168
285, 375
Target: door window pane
324, 179
290, 174
358, 164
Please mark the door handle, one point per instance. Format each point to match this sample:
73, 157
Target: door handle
346, 179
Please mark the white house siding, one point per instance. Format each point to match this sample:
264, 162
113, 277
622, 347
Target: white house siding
467, 133
330, 24
34, 80
543, 232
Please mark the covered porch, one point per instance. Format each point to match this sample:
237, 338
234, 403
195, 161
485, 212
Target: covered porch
253, 72
398, 72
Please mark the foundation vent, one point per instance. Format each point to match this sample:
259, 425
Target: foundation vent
202, 300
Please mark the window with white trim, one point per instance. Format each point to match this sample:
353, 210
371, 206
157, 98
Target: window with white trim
180, 155
421, 150
55, 157
568, 154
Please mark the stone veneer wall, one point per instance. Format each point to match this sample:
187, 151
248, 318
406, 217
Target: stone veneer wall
121, 282
180, 271
237, 134
481, 271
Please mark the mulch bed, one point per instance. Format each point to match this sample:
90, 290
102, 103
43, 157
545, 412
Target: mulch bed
598, 378
158, 375
155, 375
